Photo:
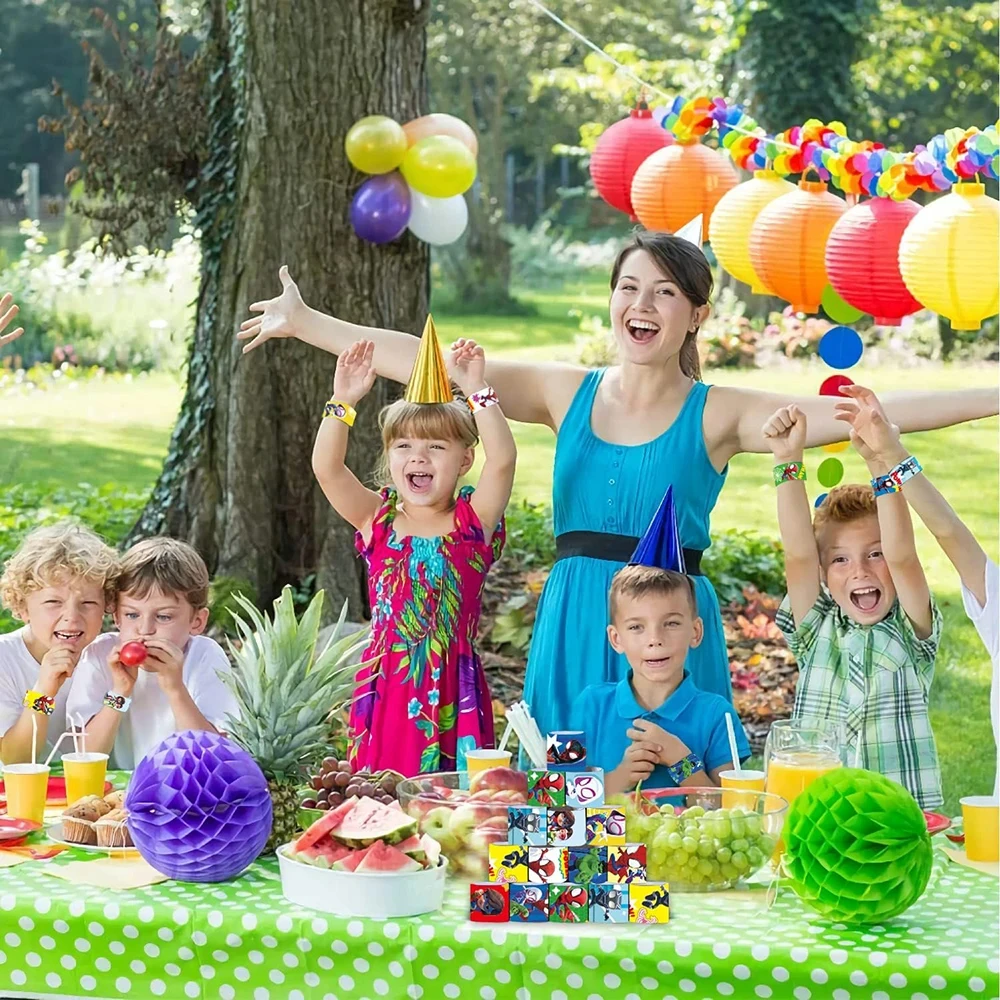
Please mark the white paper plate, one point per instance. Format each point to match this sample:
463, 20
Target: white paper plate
55, 834
362, 894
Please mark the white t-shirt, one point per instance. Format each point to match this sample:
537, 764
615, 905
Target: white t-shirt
150, 719
18, 674
987, 622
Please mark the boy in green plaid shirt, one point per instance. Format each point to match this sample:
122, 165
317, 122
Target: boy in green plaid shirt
858, 615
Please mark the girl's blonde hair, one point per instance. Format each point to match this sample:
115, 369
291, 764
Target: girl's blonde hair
428, 421
51, 554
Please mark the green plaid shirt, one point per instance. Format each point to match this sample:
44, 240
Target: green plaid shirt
875, 681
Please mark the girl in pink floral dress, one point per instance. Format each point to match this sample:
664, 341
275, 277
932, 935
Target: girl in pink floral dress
422, 700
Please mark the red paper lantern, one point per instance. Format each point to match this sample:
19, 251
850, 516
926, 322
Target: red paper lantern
862, 259
619, 152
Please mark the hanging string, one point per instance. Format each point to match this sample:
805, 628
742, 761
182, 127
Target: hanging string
625, 71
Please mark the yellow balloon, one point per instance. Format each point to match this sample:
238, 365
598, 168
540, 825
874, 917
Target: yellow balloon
441, 124
439, 166
376, 144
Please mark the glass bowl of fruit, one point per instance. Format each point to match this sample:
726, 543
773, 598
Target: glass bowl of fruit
696, 844
335, 782
464, 815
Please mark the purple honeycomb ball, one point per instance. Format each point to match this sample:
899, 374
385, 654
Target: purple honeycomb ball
199, 809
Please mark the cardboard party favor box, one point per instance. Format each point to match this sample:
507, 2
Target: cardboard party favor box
588, 865
627, 864
546, 788
529, 903
605, 827
548, 864
489, 903
648, 902
608, 903
528, 825
508, 863
569, 904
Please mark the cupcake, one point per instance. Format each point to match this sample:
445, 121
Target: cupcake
78, 821
116, 800
112, 830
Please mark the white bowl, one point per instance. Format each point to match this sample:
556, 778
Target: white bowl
362, 894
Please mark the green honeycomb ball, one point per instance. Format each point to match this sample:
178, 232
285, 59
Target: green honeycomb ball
856, 847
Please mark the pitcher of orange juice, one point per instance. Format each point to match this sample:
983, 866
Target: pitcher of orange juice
797, 752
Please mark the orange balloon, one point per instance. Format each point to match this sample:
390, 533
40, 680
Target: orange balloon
678, 182
788, 243
440, 124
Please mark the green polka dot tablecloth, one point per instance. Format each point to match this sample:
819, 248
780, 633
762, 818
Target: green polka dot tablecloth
241, 940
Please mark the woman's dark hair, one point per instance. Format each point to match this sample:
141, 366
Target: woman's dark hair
687, 267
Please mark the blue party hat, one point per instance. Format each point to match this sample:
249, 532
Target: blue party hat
660, 546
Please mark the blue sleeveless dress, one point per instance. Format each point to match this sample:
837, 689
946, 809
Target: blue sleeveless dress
615, 489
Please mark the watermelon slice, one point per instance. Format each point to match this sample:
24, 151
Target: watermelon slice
432, 850
323, 854
383, 858
323, 826
352, 859
368, 821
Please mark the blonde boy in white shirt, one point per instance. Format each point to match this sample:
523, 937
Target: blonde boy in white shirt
161, 604
978, 573
59, 582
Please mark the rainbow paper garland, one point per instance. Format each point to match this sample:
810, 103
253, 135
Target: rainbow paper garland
855, 167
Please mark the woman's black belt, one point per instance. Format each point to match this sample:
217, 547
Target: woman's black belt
613, 548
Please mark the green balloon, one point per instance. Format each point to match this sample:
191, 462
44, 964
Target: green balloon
857, 847
837, 309
830, 472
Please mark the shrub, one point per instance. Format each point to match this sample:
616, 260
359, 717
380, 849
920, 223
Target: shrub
530, 535
738, 559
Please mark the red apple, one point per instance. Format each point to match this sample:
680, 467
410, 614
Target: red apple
133, 653
499, 778
509, 795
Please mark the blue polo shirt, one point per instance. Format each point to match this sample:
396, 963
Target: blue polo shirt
605, 712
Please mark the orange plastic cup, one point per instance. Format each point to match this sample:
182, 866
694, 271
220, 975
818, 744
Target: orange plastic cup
26, 786
85, 774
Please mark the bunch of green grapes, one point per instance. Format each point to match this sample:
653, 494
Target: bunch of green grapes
707, 849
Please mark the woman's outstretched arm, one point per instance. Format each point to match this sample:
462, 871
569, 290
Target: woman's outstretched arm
530, 393
736, 416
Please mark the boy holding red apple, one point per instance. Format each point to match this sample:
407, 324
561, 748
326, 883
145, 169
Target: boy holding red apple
158, 674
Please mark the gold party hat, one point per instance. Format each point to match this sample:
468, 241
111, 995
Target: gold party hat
429, 381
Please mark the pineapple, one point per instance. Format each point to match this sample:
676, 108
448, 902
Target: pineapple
287, 691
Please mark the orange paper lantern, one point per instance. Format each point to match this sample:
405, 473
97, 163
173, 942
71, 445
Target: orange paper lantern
862, 259
948, 256
788, 243
733, 220
677, 183
619, 153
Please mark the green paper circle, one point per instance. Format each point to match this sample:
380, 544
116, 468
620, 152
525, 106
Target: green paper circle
830, 472
857, 847
837, 309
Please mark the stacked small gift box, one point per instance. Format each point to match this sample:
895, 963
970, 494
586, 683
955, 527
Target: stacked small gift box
567, 858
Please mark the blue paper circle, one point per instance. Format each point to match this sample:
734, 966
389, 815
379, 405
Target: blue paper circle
841, 347
820, 499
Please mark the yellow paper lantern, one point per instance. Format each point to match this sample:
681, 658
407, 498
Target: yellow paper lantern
948, 256
733, 218
677, 183
788, 243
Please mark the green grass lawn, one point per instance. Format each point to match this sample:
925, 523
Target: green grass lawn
117, 431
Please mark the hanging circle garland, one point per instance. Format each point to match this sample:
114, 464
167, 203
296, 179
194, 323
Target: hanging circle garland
948, 256
788, 243
679, 182
619, 152
733, 220
862, 258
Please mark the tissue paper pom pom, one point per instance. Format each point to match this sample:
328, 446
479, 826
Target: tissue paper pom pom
199, 807
857, 847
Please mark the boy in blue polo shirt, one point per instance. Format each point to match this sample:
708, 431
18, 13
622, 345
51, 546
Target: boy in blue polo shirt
655, 726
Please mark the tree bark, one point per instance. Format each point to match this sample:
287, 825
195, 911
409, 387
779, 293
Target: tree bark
238, 483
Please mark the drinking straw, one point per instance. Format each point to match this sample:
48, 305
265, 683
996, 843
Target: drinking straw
58, 743
34, 737
506, 733
83, 734
857, 751
732, 743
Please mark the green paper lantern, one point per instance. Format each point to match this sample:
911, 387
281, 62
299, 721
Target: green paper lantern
856, 847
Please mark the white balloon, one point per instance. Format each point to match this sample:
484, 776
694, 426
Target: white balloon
437, 221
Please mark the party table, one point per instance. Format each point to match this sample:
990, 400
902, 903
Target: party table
242, 940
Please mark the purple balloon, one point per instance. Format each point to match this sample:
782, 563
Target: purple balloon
199, 809
381, 208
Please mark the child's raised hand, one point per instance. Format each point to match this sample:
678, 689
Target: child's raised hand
123, 677
279, 315
467, 365
166, 661
785, 431
7, 313
874, 437
355, 373
56, 668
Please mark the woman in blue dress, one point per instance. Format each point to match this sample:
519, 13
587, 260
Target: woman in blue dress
623, 435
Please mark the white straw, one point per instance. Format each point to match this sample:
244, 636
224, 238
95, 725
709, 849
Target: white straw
857, 751
58, 742
732, 743
83, 734
34, 738
506, 734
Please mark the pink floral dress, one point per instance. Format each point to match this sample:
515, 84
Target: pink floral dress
422, 701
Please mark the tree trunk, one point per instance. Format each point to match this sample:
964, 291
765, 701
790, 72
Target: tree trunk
238, 482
